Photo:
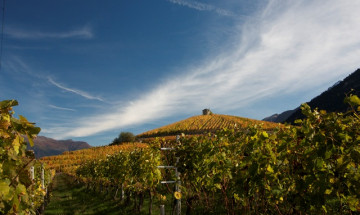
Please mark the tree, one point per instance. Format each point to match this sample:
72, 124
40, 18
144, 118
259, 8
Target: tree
124, 137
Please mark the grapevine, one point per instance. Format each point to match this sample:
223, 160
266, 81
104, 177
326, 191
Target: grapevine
19, 193
245, 169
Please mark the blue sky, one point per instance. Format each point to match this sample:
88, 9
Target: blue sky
87, 70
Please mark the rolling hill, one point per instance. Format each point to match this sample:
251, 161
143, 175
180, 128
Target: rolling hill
203, 124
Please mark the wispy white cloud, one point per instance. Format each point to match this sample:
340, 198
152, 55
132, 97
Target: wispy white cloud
202, 7
17, 68
61, 108
288, 47
17, 33
76, 91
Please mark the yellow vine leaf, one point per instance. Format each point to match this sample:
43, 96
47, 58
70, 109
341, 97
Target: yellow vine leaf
177, 195
270, 169
16, 144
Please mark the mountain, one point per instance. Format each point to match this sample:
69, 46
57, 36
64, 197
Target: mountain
203, 124
332, 100
44, 146
280, 117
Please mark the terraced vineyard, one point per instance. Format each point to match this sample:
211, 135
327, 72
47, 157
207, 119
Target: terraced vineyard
68, 162
306, 169
206, 123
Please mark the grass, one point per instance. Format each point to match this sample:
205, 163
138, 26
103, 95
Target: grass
68, 197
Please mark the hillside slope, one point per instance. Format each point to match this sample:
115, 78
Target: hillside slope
280, 117
332, 100
69, 161
44, 146
205, 123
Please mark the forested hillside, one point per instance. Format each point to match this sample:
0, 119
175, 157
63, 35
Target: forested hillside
332, 100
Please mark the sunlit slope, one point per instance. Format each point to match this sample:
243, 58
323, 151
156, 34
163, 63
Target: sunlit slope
69, 161
206, 123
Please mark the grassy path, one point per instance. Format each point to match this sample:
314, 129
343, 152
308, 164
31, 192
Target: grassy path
69, 198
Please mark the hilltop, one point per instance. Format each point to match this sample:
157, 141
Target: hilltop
201, 124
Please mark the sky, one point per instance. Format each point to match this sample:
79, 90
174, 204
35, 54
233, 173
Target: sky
89, 69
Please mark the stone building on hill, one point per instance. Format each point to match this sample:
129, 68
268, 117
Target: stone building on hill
206, 112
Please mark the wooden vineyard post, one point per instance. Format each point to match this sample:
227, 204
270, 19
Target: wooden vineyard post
43, 186
122, 192
48, 182
162, 209
177, 188
177, 181
32, 177
178, 184
32, 173
42, 177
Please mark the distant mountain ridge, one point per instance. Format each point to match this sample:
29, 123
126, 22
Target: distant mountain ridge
331, 100
44, 146
280, 117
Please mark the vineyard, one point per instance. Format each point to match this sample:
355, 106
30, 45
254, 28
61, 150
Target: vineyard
68, 162
203, 124
307, 169
310, 168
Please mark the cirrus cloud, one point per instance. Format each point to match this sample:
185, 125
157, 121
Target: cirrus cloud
287, 47
17, 33
202, 7
75, 91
